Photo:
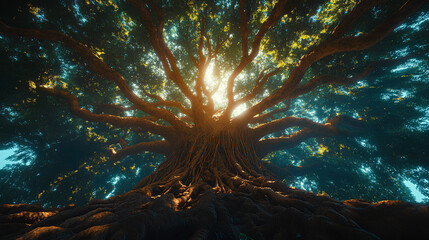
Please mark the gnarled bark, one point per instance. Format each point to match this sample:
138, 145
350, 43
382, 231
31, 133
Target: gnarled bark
213, 183
202, 191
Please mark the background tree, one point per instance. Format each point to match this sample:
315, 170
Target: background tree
141, 76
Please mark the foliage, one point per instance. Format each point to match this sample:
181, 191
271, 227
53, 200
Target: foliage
61, 159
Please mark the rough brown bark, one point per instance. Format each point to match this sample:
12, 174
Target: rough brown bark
329, 47
95, 64
221, 191
213, 184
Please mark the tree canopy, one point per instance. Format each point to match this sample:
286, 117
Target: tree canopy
303, 64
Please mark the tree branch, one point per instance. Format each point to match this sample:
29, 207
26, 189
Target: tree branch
329, 79
210, 104
201, 42
202, 66
96, 65
122, 142
175, 104
200, 86
218, 46
116, 109
216, 88
153, 96
209, 46
209, 94
259, 83
167, 59
155, 146
244, 16
112, 108
263, 117
287, 122
291, 170
339, 125
280, 9
121, 122
331, 46
354, 15
158, 43
162, 102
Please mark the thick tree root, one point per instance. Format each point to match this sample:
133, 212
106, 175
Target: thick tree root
216, 188
252, 211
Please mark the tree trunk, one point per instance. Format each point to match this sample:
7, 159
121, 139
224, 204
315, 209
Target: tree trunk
214, 186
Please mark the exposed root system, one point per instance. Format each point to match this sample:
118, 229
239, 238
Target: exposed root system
253, 211
208, 191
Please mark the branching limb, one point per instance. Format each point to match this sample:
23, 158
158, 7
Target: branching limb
263, 117
200, 86
244, 16
339, 125
166, 57
157, 40
201, 41
113, 107
153, 96
259, 83
218, 46
209, 94
122, 142
216, 88
189, 51
116, 109
354, 15
291, 170
287, 122
325, 79
151, 118
175, 104
202, 66
187, 119
210, 108
331, 46
155, 146
161, 102
281, 8
96, 65
210, 104
209, 45
121, 122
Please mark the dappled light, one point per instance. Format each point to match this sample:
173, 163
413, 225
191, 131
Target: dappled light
214, 82
230, 119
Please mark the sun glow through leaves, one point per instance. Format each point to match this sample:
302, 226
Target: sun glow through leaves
220, 99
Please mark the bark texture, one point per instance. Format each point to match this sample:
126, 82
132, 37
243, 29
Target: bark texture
255, 210
213, 184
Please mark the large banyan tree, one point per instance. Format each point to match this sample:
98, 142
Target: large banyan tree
213, 183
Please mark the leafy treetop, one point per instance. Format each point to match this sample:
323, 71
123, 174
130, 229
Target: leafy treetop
292, 73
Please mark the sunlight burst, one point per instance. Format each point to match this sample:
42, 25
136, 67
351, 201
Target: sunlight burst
211, 81
220, 98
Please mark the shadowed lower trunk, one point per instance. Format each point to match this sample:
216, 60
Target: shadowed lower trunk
213, 157
213, 186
